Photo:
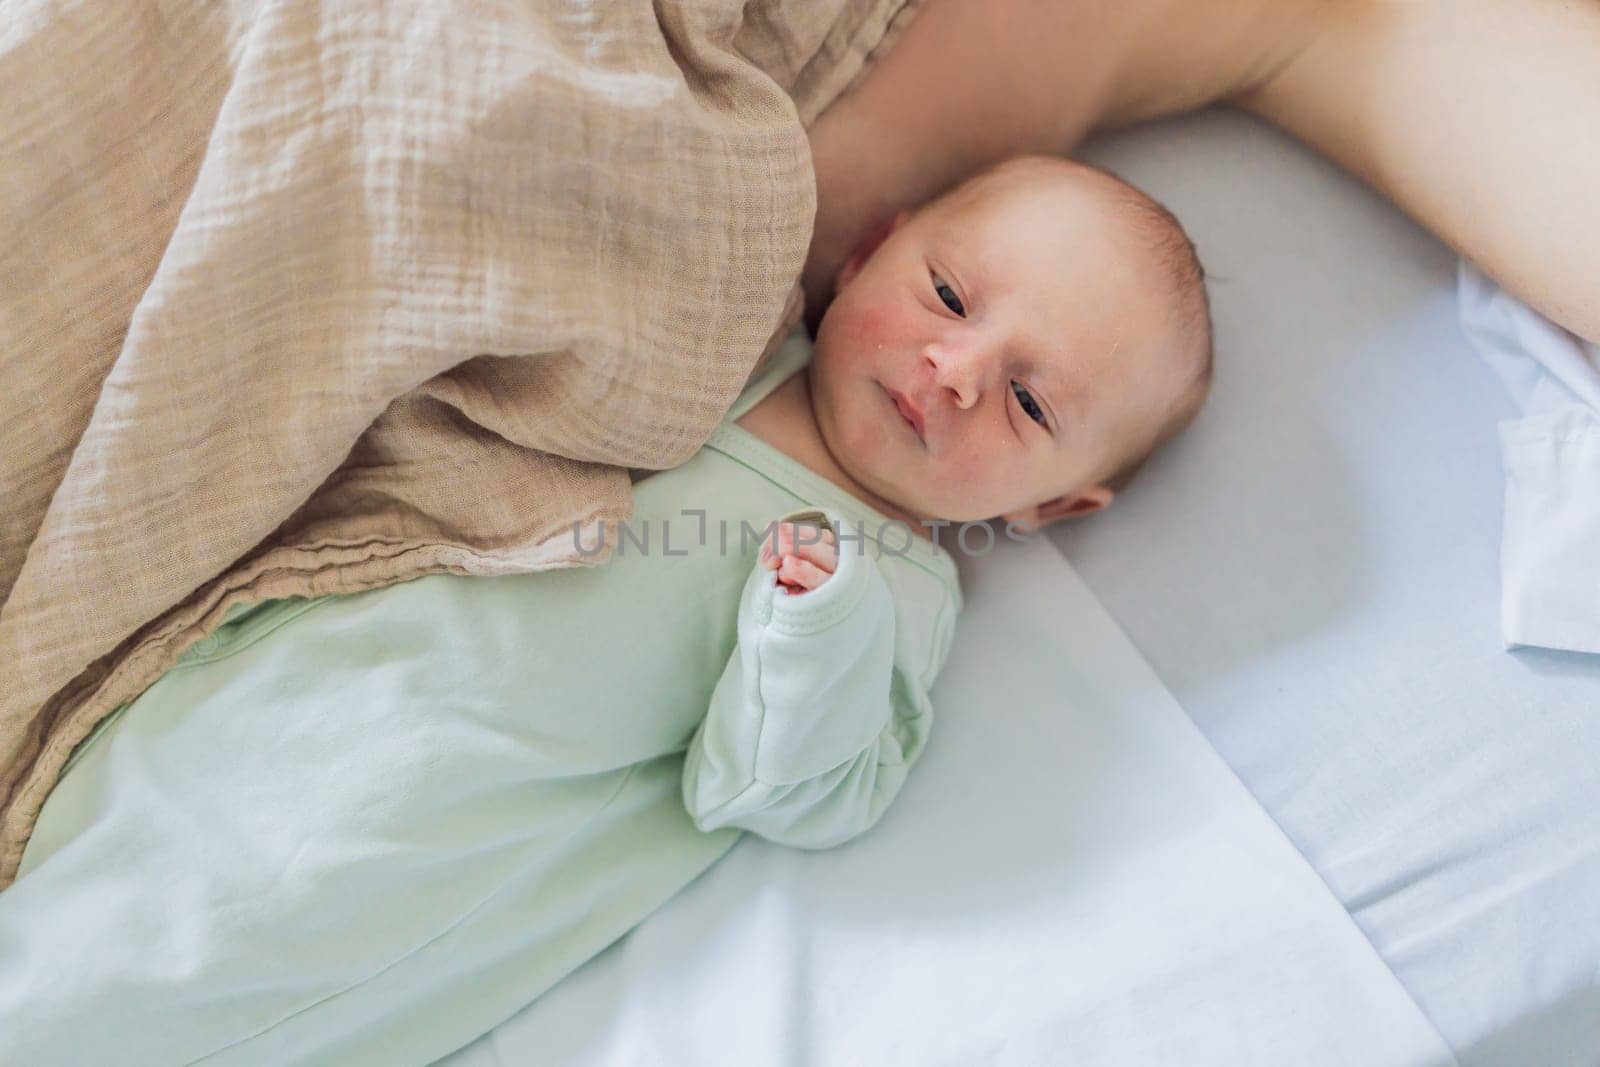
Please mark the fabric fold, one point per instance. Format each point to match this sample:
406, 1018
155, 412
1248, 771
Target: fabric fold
1550, 541
312, 298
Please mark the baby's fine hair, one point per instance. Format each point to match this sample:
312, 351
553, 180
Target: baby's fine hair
1191, 304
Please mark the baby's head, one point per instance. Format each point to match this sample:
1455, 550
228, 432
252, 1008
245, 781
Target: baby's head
1045, 322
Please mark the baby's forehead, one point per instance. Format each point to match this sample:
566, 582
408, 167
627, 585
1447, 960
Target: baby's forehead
1079, 284
1042, 219
1059, 182
1059, 254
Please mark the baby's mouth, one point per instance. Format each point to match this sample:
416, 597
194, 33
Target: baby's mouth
907, 413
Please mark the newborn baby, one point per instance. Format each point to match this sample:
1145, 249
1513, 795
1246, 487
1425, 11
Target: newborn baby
369, 828
1039, 332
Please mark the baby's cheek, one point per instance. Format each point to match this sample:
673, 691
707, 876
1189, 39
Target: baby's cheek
876, 327
977, 485
965, 471
966, 481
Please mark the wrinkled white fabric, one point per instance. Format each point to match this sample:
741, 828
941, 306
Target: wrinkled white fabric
1550, 543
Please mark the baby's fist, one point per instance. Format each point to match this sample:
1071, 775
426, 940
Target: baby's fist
803, 554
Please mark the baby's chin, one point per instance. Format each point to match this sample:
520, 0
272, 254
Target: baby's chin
927, 504
871, 457
906, 500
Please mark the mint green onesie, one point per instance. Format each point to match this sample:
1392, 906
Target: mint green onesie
367, 829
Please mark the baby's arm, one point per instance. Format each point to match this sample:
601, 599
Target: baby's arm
810, 733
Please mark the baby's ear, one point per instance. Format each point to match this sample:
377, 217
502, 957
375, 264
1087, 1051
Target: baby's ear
868, 245
1070, 505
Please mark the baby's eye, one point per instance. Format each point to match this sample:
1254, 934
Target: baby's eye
1029, 405
948, 295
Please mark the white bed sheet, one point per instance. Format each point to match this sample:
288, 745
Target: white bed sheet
1071, 875
1313, 574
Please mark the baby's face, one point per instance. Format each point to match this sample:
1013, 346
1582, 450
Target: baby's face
1021, 327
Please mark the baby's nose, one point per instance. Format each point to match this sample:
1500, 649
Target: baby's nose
958, 370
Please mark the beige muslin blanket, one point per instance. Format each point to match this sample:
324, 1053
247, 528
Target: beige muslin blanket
311, 297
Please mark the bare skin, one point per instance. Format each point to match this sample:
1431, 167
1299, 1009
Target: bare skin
1477, 117
997, 354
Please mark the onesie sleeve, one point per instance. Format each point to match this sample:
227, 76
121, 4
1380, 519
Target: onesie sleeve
811, 730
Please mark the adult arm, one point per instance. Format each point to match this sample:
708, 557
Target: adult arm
1480, 118
971, 83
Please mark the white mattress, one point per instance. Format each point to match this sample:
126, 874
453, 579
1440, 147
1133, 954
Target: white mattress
1071, 875
1313, 574
1408, 873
